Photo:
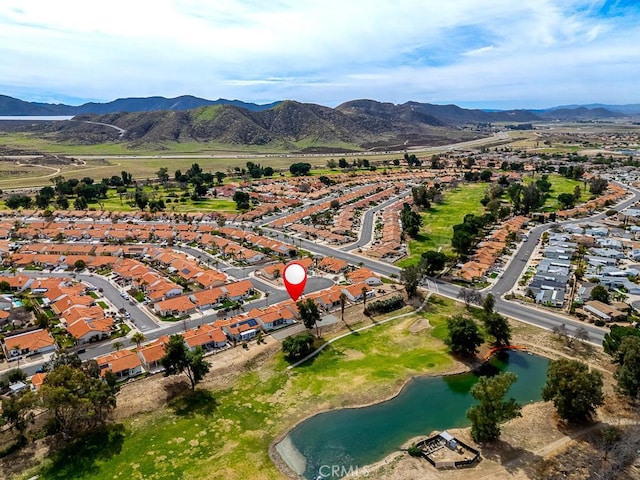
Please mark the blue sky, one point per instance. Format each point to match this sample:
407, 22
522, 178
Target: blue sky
474, 53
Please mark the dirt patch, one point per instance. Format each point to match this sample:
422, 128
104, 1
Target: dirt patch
150, 393
419, 325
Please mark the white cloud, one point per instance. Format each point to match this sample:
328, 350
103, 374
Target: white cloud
522, 53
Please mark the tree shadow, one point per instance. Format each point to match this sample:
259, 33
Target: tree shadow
191, 403
510, 457
79, 458
176, 388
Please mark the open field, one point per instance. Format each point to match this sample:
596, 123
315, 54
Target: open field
438, 221
225, 432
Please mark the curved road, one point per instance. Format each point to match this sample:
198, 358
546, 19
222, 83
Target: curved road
536, 316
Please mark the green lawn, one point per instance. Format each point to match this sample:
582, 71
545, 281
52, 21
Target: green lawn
560, 185
438, 221
113, 203
225, 434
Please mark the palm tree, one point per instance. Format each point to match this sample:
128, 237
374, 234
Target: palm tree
364, 298
343, 301
117, 345
137, 338
266, 298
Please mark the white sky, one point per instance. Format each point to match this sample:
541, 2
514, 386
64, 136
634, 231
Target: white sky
475, 53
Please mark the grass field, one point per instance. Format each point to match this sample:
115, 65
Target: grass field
560, 185
438, 222
113, 203
226, 434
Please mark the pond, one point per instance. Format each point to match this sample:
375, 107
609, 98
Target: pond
347, 439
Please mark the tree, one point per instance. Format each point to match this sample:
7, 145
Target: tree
137, 338
5, 287
411, 276
300, 169
485, 175
242, 200
574, 390
461, 240
515, 194
310, 314
492, 408
532, 198
488, 304
432, 261
614, 337
178, 359
498, 327
78, 403
469, 296
17, 411
79, 265
141, 199
600, 294
628, 373
567, 200
411, 221
463, 336
117, 346
597, 185
364, 291
543, 184
343, 302
163, 174
298, 346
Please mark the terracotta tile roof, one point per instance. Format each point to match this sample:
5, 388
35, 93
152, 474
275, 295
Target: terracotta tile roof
118, 361
33, 341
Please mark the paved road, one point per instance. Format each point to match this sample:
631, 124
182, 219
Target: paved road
366, 230
535, 316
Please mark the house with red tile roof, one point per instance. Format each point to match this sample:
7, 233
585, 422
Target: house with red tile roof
152, 353
354, 292
327, 299
28, 343
332, 265
176, 307
87, 324
275, 316
17, 282
210, 278
37, 380
238, 290
365, 275
210, 298
206, 336
239, 328
123, 363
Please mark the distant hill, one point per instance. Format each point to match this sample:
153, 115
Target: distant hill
579, 113
629, 109
13, 106
292, 125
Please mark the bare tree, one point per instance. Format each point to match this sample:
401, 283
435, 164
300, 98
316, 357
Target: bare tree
470, 296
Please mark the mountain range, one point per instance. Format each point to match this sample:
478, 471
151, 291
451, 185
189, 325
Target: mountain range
288, 124
14, 106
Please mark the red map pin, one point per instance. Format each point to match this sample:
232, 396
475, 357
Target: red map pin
294, 278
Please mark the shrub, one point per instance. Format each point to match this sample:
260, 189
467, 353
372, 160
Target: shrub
414, 451
384, 306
